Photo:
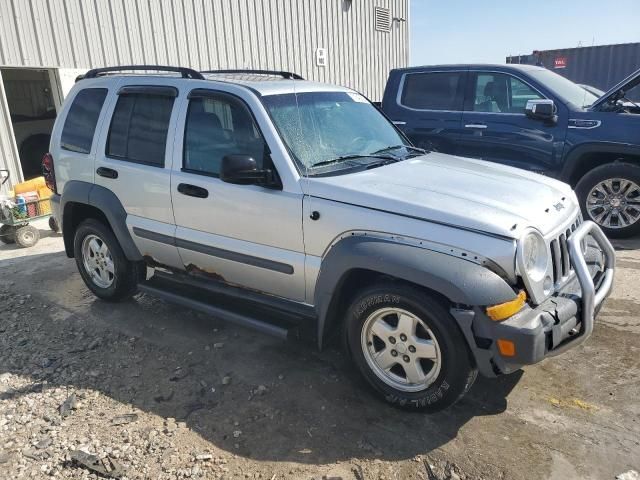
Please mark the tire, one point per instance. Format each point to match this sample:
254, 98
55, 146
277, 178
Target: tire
31, 152
106, 272
53, 225
27, 236
620, 199
7, 234
446, 378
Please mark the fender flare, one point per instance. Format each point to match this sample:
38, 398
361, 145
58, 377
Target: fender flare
461, 281
572, 159
107, 202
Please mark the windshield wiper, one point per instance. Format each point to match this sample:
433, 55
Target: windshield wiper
395, 147
352, 157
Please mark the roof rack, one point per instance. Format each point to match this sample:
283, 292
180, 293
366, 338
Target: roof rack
280, 73
186, 72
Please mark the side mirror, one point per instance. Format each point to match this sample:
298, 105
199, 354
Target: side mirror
243, 170
541, 110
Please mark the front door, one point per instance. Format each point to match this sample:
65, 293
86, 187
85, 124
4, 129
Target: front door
243, 235
496, 128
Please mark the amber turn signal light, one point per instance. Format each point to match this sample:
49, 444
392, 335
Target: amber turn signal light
507, 309
506, 347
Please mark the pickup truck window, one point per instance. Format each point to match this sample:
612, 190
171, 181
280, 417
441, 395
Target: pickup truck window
433, 91
321, 126
219, 125
501, 93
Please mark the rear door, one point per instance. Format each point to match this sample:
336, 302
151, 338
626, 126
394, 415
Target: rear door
428, 108
496, 128
133, 160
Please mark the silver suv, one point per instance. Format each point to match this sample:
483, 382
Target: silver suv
280, 204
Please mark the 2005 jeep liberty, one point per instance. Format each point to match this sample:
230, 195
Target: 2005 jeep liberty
275, 202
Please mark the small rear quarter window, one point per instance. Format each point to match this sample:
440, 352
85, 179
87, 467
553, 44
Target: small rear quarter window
80, 124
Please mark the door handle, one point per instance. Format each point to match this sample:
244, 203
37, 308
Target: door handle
398, 122
193, 190
107, 172
479, 126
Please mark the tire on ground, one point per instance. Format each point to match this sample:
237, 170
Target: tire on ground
27, 236
616, 170
125, 278
7, 234
457, 371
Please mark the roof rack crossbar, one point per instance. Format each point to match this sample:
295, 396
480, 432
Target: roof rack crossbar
185, 72
280, 73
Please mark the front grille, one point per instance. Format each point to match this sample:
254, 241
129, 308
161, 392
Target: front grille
562, 268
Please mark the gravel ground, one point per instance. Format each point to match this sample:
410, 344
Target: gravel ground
145, 389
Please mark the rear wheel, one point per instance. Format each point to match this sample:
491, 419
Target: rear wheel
408, 347
27, 236
53, 225
610, 196
102, 263
7, 234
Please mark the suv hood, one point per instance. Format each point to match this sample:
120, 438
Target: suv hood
461, 192
625, 85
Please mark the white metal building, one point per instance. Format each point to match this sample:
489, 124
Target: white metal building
45, 44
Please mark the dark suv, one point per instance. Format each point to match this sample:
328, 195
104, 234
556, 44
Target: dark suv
532, 118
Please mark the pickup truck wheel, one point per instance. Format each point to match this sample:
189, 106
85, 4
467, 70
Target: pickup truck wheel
610, 196
102, 263
408, 347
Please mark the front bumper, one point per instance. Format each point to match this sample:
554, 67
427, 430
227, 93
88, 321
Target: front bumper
561, 322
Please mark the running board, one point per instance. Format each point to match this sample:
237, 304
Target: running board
218, 312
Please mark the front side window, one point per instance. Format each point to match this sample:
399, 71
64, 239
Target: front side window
321, 127
217, 126
139, 126
433, 91
80, 124
501, 93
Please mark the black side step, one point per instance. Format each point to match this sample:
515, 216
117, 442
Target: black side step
223, 314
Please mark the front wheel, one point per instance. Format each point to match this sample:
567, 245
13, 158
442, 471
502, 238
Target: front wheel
408, 347
610, 196
102, 263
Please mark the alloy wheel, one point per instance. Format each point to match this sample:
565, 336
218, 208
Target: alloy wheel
400, 349
614, 203
97, 261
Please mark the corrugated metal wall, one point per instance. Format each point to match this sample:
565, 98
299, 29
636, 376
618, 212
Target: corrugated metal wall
600, 66
206, 34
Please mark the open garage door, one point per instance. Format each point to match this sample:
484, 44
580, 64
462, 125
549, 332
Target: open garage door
31, 101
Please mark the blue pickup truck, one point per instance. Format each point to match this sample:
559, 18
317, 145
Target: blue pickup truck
532, 118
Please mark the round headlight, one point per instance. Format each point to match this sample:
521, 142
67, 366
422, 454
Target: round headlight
533, 256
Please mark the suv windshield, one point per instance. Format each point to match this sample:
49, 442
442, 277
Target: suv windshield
565, 89
334, 129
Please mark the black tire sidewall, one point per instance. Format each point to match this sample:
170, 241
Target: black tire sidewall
123, 276
457, 371
7, 234
597, 175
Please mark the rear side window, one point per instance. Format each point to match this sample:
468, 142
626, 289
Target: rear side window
433, 91
80, 124
138, 131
